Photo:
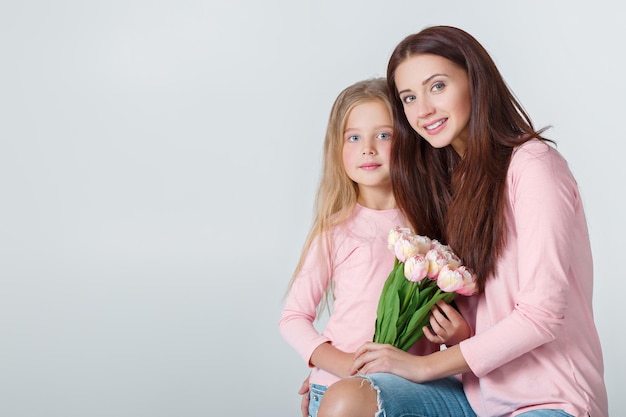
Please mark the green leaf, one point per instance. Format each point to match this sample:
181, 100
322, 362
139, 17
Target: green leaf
388, 308
383, 301
407, 311
388, 331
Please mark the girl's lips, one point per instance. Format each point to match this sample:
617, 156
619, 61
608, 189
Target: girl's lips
369, 167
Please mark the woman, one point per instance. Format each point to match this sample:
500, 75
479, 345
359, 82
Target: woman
469, 169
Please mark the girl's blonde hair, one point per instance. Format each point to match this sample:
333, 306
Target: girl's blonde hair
337, 194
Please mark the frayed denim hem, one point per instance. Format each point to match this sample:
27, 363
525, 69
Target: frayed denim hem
380, 412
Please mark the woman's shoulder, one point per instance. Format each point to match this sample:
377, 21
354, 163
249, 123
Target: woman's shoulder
535, 150
533, 147
537, 158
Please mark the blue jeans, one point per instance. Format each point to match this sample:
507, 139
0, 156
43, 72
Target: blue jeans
398, 397
316, 392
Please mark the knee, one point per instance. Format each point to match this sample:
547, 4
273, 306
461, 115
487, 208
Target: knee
353, 397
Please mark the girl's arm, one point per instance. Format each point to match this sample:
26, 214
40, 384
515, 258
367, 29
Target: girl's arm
333, 360
300, 309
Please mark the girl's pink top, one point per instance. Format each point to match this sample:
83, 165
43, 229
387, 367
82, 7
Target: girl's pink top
535, 343
359, 264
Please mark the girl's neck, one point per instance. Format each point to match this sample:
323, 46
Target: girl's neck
378, 202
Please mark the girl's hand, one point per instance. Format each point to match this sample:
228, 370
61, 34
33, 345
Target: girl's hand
304, 391
447, 325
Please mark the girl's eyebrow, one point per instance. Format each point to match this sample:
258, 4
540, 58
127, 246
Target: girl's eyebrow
426, 81
384, 126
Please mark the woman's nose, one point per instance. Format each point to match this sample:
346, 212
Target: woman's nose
424, 108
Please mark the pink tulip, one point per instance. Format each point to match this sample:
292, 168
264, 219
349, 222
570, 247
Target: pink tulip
405, 247
469, 282
450, 280
395, 234
416, 268
436, 261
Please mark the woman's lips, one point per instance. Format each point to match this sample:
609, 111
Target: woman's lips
436, 126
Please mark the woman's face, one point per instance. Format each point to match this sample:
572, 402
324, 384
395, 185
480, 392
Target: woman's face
435, 94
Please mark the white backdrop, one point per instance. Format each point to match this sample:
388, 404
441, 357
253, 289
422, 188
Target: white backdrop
158, 164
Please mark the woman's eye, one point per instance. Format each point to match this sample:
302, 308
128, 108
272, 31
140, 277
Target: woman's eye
408, 99
384, 136
438, 86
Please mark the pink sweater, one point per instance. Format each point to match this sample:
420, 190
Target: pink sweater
362, 262
536, 343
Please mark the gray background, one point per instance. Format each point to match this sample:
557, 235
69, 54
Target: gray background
158, 164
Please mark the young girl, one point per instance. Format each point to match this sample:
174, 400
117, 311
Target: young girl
469, 169
346, 255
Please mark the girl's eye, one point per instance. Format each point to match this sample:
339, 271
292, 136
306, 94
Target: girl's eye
383, 136
353, 138
408, 99
438, 86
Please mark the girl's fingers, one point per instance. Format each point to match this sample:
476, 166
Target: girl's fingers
434, 324
447, 309
439, 313
430, 335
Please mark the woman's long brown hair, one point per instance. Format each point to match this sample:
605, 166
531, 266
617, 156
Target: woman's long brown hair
460, 201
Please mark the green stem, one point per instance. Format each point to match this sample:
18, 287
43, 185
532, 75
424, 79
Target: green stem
407, 297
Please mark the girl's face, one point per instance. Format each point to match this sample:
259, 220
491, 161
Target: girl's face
366, 149
435, 94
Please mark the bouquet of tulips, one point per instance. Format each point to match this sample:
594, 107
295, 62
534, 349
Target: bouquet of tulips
425, 271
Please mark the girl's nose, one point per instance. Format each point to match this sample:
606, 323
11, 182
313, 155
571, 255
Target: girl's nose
368, 148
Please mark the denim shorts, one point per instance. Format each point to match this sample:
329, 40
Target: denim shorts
316, 392
440, 398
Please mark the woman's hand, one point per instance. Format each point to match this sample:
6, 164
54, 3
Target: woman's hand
447, 325
375, 357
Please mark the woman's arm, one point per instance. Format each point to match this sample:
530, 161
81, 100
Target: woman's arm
374, 357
